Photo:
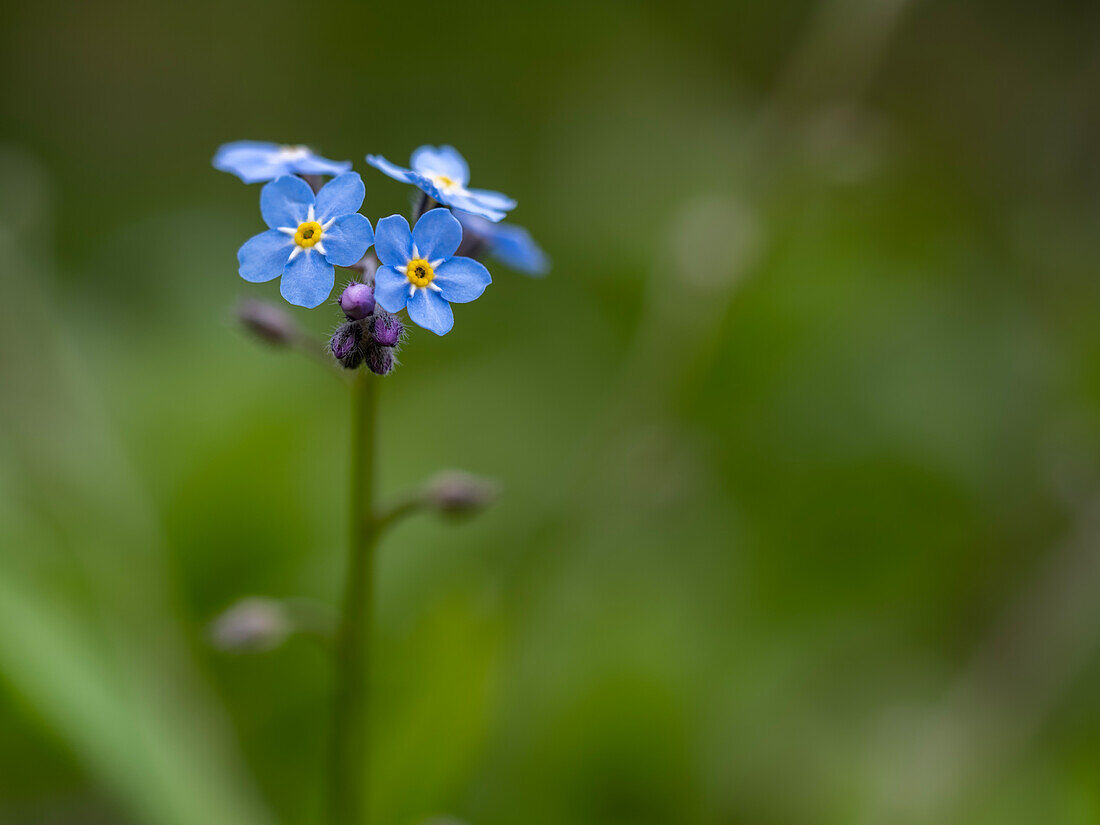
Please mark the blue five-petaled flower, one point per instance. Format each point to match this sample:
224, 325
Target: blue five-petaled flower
308, 235
442, 174
254, 161
421, 272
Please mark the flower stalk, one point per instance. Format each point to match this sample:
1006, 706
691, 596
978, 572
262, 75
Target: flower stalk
350, 719
313, 227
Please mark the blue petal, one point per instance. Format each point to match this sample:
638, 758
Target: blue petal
263, 257
340, 196
437, 234
396, 172
430, 161
468, 203
285, 201
393, 241
461, 279
473, 225
510, 244
308, 279
493, 200
317, 165
347, 240
428, 309
240, 146
391, 289
513, 246
252, 161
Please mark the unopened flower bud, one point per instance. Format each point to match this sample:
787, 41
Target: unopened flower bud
457, 493
386, 329
380, 359
346, 345
251, 625
357, 300
267, 322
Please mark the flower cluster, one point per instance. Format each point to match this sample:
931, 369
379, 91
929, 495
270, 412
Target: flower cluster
313, 228
369, 334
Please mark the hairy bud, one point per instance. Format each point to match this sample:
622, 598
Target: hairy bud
347, 344
357, 300
267, 322
456, 493
380, 359
251, 625
386, 329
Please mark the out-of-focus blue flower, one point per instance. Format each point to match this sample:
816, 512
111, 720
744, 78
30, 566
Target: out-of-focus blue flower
308, 235
253, 161
420, 270
512, 245
443, 174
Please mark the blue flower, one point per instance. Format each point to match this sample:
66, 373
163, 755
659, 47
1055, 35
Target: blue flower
421, 271
308, 235
253, 161
512, 245
443, 174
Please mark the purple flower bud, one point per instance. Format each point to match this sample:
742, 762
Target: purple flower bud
346, 345
380, 359
267, 322
387, 329
455, 493
251, 625
357, 300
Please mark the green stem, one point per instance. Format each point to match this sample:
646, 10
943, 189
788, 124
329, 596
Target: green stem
350, 707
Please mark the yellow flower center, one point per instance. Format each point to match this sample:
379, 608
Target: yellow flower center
445, 183
308, 234
419, 272
293, 152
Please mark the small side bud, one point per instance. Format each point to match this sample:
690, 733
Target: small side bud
357, 301
387, 329
380, 359
455, 493
251, 625
267, 322
347, 345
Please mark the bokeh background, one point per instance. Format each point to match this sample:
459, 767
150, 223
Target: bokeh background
798, 441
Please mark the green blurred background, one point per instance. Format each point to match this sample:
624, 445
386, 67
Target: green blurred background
798, 441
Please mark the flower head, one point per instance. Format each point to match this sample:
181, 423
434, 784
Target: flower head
253, 161
420, 270
308, 236
442, 173
512, 245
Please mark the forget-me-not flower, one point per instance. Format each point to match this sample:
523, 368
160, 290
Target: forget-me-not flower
308, 235
254, 161
512, 245
420, 270
442, 174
